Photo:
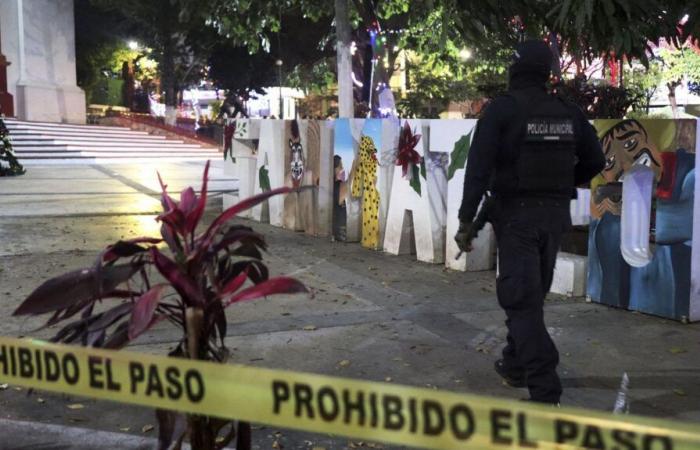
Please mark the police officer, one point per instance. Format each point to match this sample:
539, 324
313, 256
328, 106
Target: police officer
530, 150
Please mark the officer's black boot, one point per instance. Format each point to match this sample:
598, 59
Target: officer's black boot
513, 378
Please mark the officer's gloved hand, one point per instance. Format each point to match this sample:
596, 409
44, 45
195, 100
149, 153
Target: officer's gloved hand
463, 237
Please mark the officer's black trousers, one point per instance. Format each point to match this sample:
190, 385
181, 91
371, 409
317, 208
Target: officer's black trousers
528, 240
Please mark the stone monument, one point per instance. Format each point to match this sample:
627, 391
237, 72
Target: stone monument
38, 40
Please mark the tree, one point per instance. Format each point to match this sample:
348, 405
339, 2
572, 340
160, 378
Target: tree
679, 65
343, 33
180, 39
590, 28
97, 37
645, 82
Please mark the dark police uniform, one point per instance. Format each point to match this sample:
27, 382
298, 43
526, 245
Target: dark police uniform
530, 149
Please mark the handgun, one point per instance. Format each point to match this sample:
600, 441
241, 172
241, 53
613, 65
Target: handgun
480, 220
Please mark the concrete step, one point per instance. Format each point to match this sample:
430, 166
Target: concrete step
104, 148
149, 154
121, 138
72, 132
111, 160
20, 123
97, 144
40, 142
110, 146
23, 157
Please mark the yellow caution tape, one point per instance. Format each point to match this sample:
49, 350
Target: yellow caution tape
321, 404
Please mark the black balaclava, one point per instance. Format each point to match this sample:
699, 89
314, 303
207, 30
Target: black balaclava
531, 66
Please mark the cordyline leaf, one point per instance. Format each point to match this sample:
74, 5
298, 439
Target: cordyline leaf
75, 287
194, 215
279, 285
255, 270
181, 282
248, 249
64, 314
105, 320
124, 249
244, 205
235, 210
240, 233
92, 325
142, 313
171, 238
175, 219
188, 200
166, 200
251, 244
235, 284
119, 338
217, 318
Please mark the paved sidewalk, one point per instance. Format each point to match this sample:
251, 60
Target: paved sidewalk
373, 316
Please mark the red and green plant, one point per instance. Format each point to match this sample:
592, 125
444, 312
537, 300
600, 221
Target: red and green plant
190, 287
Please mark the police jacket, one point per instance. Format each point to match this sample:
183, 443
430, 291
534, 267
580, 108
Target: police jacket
496, 147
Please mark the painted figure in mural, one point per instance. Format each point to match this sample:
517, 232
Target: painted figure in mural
661, 287
340, 192
530, 150
294, 177
624, 145
297, 164
364, 183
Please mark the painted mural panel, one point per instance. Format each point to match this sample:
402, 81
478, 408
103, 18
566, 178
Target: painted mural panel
387, 150
324, 213
453, 138
346, 208
364, 182
644, 158
241, 161
270, 171
419, 189
308, 199
294, 165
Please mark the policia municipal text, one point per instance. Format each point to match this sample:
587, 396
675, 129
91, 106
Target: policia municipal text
531, 149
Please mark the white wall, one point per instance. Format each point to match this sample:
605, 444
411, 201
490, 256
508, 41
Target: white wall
38, 38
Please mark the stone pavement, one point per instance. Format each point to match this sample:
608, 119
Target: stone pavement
373, 316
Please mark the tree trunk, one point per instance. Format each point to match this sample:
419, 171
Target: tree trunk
169, 82
672, 97
647, 104
343, 33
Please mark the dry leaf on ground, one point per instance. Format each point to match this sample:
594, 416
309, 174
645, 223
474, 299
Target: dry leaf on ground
679, 392
677, 350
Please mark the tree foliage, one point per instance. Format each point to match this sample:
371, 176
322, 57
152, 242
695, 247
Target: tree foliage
238, 37
644, 81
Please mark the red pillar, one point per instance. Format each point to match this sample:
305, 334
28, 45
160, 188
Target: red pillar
6, 103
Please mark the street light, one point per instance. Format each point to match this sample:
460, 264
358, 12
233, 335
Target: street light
465, 54
133, 45
279, 63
